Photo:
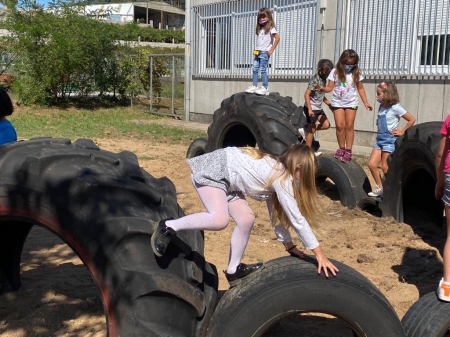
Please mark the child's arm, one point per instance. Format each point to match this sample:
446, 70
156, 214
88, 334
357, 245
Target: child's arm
328, 88
410, 122
440, 163
362, 94
275, 43
308, 101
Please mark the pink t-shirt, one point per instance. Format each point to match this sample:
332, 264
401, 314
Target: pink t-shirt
445, 131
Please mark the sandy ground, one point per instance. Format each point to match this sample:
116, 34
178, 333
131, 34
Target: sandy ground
59, 298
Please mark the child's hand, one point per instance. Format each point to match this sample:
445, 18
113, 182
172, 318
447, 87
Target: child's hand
368, 106
318, 87
324, 263
310, 113
439, 189
397, 132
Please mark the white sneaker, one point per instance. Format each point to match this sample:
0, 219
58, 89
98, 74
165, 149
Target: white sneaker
318, 153
262, 91
443, 291
302, 132
251, 89
378, 192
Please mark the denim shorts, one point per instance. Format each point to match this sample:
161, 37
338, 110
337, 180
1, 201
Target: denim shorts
385, 143
446, 196
313, 119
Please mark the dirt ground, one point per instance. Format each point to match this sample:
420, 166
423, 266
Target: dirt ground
59, 298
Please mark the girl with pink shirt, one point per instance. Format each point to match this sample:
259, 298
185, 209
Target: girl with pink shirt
442, 191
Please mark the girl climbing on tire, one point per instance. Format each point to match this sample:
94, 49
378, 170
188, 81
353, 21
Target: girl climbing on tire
389, 114
224, 177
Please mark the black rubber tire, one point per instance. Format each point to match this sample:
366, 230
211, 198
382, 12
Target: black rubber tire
412, 174
271, 122
290, 285
197, 148
101, 204
428, 317
349, 178
370, 205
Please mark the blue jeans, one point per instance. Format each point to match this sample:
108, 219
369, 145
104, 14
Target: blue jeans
260, 62
385, 139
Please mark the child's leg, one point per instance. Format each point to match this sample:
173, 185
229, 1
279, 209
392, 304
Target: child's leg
350, 115
256, 65
446, 256
339, 119
374, 161
324, 123
244, 218
264, 60
216, 218
384, 163
310, 135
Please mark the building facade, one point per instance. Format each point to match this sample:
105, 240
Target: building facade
407, 41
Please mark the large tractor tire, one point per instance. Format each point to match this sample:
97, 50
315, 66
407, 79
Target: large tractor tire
409, 184
197, 148
349, 178
428, 317
289, 286
269, 122
102, 205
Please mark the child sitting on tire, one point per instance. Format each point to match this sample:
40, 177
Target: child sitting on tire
313, 103
389, 114
223, 177
7, 131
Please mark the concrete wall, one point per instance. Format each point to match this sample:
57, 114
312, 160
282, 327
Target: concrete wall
428, 99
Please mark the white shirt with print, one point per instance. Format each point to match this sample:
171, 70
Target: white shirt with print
345, 94
265, 41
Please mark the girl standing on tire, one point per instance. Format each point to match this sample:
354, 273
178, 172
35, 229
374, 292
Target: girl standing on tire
266, 42
442, 191
389, 114
345, 81
224, 177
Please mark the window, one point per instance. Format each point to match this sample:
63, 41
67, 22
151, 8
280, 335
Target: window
409, 37
224, 37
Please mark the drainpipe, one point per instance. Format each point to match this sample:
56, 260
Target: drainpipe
337, 38
187, 60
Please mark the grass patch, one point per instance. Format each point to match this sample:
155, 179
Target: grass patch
113, 122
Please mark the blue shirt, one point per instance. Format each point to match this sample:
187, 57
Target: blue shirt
7, 132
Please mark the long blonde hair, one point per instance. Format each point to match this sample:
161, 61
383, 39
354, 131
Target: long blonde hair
305, 194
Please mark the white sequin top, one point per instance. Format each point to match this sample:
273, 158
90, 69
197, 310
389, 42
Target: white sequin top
250, 176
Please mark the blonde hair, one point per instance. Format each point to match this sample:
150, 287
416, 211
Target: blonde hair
305, 194
265, 13
390, 93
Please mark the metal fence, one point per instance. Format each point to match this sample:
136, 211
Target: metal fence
172, 85
393, 37
223, 36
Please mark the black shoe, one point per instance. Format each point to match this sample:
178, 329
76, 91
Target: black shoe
242, 271
161, 238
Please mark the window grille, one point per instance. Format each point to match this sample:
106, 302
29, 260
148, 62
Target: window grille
224, 38
393, 37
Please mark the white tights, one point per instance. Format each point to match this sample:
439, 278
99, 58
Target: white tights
216, 218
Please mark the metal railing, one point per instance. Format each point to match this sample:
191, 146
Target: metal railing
174, 68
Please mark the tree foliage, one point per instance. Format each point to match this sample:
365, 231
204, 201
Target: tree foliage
62, 51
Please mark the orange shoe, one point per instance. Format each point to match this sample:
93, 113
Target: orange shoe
443, 291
